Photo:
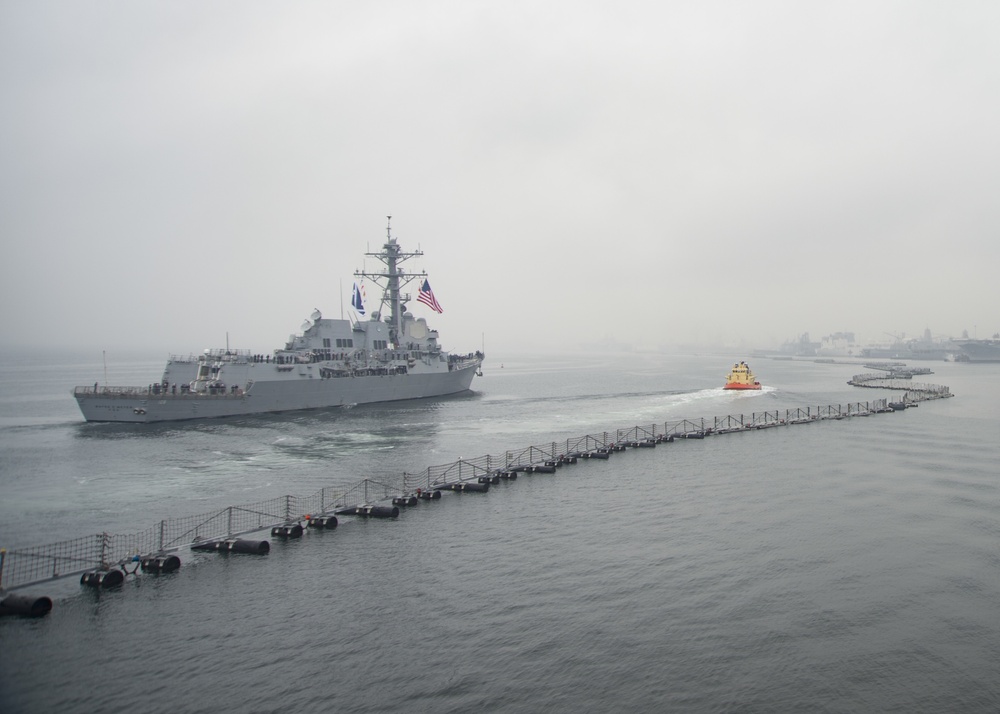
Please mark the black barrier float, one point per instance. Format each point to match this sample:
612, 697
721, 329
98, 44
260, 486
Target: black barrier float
235, 545
328, 522
103, 578
370, 511
160, 564
466, 487
287, 530
25, 605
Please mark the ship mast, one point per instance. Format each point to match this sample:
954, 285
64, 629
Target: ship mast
392, 279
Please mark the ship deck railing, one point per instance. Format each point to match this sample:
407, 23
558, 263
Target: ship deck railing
112, 392
216, 355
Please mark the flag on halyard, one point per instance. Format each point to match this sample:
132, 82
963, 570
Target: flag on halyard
425, 296
358, 298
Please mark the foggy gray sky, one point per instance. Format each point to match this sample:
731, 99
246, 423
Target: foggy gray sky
654, 172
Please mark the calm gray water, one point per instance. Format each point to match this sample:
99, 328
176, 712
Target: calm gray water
843, 566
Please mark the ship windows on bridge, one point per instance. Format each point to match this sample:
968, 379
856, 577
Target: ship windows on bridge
345, 342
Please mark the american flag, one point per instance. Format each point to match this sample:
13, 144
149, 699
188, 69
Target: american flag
425, 296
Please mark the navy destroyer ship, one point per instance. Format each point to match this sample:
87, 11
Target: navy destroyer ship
330, 363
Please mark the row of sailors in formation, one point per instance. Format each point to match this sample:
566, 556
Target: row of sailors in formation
366, 372
462, 358
296, 358
218, 387
302, 358
167, 388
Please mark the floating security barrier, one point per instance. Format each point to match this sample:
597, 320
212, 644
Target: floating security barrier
470, 487
321, 521
103, 578
27, 605
491, 478
542, 469
160, 563
404, 501
371, 511
287, 530
647, 443
731, 424
237, 545
382, 512
568, 459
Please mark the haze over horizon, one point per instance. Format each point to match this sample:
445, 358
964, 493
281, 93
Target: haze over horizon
650, 174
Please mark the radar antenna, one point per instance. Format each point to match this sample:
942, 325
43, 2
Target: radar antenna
391, 280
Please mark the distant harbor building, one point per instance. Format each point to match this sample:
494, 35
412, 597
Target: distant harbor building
839, 344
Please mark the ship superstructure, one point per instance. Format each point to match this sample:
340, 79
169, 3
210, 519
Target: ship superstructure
740, 377
331, 362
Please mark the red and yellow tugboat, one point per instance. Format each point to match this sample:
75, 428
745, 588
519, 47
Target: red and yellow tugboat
740, 377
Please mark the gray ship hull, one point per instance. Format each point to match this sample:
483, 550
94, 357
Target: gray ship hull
143, 406
980, 350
